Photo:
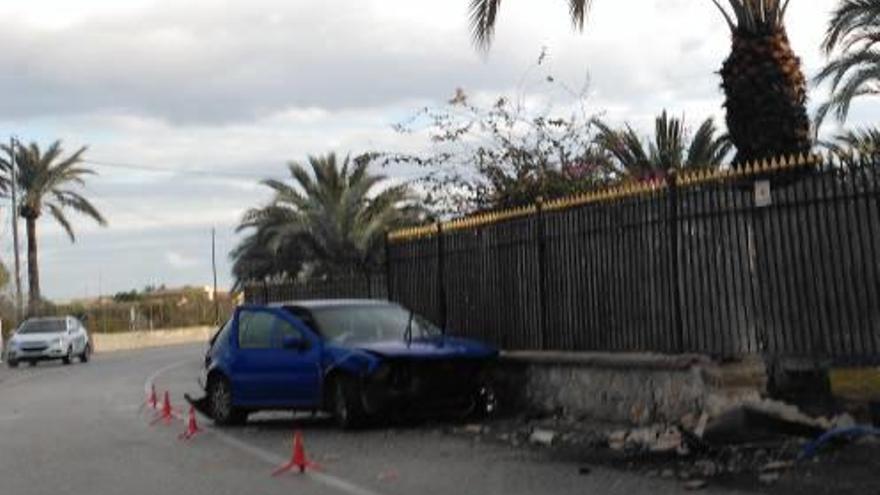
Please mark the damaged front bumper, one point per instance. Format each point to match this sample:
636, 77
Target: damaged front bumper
429, 387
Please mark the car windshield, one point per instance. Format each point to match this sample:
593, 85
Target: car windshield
358, 324
42, 326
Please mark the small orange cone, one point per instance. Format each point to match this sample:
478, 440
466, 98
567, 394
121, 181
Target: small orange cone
298, 460
192, 428
153, 401
167, 414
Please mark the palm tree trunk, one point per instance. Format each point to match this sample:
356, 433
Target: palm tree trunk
33, 268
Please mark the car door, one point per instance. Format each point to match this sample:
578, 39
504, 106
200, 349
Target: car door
265, 373
250, 367
297, 375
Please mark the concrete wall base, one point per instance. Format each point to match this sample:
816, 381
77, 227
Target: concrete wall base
636, 389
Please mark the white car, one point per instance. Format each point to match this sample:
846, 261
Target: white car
42, 339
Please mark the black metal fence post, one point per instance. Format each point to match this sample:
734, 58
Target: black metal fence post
542, 272
674, 260
441, 278
389, 284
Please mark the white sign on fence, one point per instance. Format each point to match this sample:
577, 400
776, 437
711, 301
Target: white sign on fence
763, 195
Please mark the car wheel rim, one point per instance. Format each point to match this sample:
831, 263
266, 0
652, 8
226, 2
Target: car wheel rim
221, 401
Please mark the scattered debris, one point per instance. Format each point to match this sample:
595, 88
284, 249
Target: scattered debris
760, 421
542, 437
584, 470
474, 429
667, 474
697, 484
668, 441
777, 466
768, 478
844, 420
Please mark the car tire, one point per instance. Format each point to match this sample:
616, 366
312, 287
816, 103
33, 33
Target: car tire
84, 357
32, 363
220, 403
347, 403
69, 357
12, 363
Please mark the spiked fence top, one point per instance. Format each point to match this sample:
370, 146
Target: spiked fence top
682, 179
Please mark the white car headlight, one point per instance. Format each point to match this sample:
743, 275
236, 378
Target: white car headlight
58, 342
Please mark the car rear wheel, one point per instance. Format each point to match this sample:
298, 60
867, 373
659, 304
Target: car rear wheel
68, 357
348, 407
220, 402
84, 357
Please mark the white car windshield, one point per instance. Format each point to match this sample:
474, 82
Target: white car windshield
366, 323
42, 326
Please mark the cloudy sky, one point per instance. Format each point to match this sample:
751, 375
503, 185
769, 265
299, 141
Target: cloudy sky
220, 93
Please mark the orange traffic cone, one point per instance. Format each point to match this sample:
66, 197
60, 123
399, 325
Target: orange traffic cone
152, 400
298, 460
192, 428
167, 413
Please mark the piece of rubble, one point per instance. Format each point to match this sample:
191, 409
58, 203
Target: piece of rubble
706, 468
473, 429
668, 441
584, 470
768, 478
700, 429
667, 474
694, 484
542, 437
844, 420
777, 466
642, 437
760, 421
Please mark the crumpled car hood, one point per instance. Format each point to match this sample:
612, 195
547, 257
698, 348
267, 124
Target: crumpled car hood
440, 347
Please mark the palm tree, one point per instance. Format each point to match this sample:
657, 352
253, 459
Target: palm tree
47, 181
339, 212
765, 89
853, 33
851, 147
669, 150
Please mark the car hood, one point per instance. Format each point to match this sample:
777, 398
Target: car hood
430, 348
36, 337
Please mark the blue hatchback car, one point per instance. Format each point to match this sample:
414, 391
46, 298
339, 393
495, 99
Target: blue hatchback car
356, 359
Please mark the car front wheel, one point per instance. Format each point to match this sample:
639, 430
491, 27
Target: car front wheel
68, 357
220, 400
84, 357
348, 408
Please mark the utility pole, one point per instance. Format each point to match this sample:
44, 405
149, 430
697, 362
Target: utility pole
214, 269
14, 195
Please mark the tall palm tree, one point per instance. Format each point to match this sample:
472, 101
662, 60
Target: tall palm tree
763, 83
670, 149
851, 147
852, 36
336, 209
47, 181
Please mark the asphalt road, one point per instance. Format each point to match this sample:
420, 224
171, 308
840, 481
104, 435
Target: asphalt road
82, 429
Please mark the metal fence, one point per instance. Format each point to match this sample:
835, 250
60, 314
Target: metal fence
778, 258
775, 258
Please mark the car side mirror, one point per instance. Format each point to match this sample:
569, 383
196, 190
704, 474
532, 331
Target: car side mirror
294, 343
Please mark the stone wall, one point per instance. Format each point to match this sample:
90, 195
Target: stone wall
627, 388
106, 342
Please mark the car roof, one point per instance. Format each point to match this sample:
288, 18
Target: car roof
330, 303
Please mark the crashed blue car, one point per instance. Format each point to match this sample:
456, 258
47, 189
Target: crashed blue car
355, 359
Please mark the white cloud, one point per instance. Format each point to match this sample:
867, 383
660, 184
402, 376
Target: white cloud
241, 87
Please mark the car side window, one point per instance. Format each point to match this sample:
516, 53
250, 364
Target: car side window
284, 328
255, 329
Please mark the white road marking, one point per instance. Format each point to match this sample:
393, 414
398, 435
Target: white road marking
258, 453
